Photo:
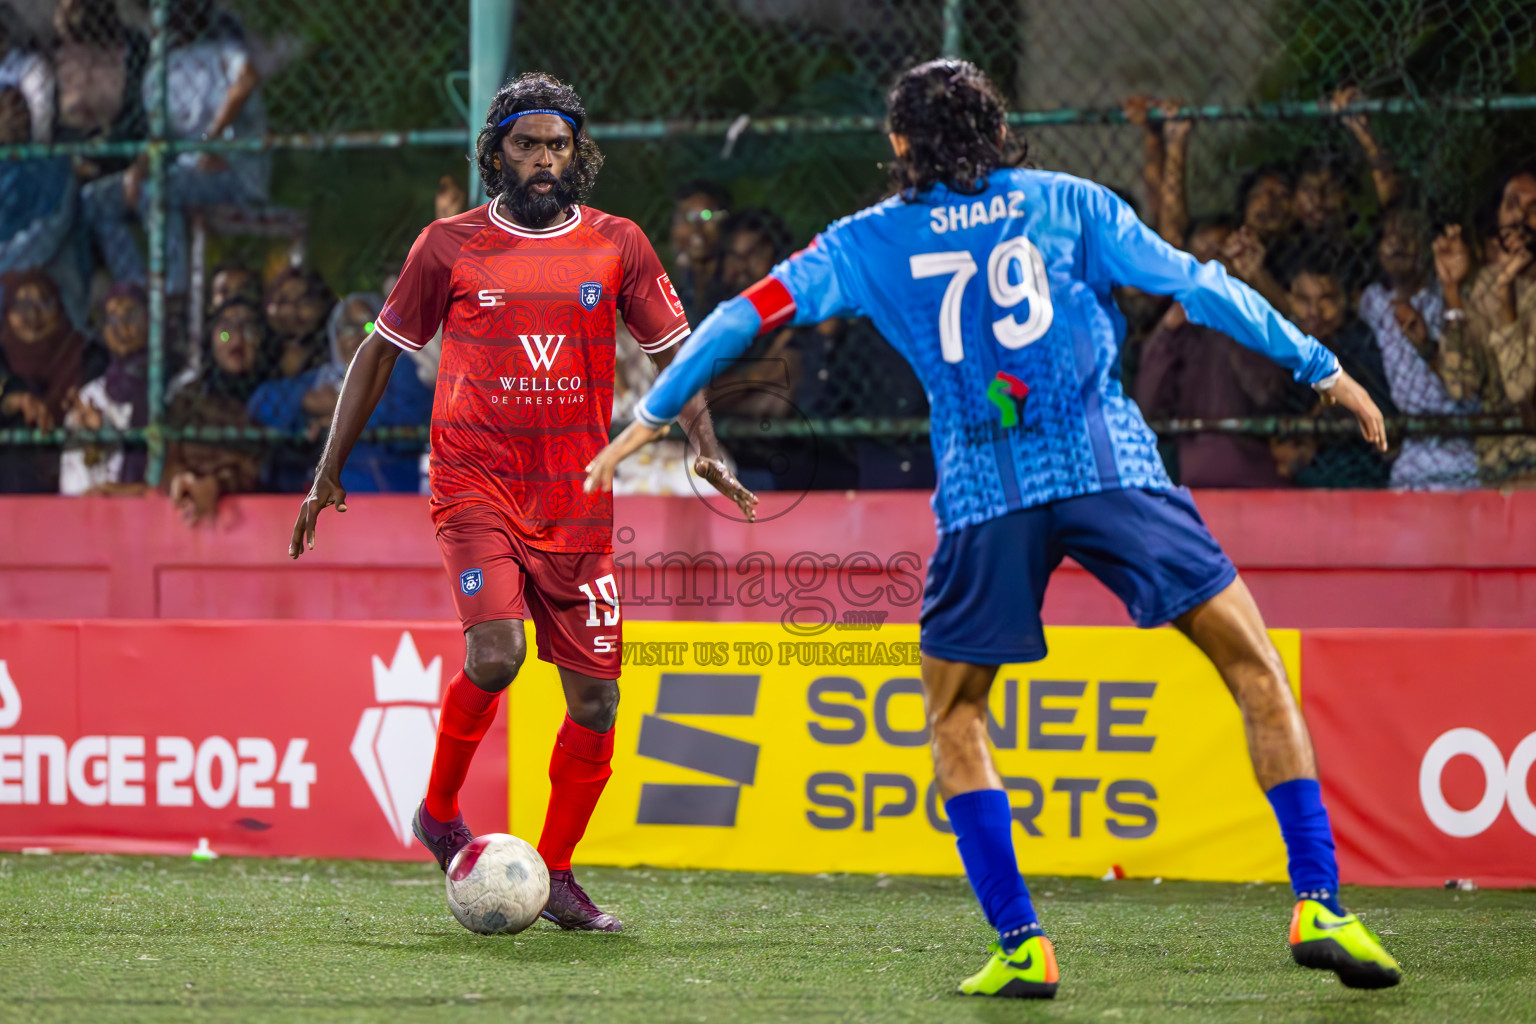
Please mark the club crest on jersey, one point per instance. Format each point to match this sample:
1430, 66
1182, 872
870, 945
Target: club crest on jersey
470, 581
590, 294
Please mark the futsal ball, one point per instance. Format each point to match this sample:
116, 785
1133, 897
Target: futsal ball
497, 885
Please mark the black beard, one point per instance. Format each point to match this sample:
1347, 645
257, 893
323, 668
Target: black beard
533, 210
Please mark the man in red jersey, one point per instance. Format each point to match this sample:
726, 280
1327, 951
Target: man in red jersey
526, 290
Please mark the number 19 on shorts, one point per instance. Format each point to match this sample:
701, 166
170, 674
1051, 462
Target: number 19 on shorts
608, 591
608, 587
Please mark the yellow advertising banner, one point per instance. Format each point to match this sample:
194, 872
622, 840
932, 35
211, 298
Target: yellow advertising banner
744, 747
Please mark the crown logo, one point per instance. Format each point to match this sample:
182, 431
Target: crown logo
393, 744
406, 679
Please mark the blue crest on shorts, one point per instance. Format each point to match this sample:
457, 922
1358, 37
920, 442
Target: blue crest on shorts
470, 581
590, 294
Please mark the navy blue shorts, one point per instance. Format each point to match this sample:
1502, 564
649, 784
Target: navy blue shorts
986, 583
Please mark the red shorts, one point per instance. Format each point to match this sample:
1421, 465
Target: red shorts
573, 597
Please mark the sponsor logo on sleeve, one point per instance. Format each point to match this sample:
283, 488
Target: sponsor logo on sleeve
670, 294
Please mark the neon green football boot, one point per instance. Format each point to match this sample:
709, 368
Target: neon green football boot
1323, 940
1029, 972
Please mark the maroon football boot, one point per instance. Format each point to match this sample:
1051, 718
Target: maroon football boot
571, 908
444, 839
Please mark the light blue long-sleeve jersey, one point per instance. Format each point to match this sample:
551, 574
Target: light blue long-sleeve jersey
1001, 302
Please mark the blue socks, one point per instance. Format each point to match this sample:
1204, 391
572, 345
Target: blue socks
1308, 841
983, 823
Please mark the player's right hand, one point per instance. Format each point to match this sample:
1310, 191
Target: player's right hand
1349, 394
326, 491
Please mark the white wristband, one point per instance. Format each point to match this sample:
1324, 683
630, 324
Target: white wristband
641, 416
1328, 382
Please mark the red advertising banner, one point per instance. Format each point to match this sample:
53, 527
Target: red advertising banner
1425, 742
265, 738
315, 739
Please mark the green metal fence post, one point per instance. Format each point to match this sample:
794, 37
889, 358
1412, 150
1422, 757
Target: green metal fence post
953, 12
155, 228
490, 52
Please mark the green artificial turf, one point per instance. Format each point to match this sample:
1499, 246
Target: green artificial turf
97, 939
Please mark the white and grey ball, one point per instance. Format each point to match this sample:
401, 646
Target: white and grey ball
497, 885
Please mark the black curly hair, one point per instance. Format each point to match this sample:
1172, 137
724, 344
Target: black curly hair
955, 122
535, 90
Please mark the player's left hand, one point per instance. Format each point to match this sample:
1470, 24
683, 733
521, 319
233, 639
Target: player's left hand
327, 490
600, 470
1349, 394
723, 480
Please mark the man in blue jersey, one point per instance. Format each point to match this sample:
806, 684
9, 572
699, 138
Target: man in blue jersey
994, 282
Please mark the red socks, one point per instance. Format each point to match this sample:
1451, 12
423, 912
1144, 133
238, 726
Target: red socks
467, 714
578, 771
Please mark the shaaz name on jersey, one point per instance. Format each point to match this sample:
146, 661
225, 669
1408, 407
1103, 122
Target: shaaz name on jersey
977, 214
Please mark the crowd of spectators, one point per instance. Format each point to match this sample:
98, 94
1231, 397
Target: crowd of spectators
1432, 319
792, 378
74, 312
1432, 322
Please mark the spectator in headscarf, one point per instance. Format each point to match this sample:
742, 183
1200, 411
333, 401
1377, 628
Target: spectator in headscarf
297, 303
231, 281
198, 473
47, 357
118, 399
306, 403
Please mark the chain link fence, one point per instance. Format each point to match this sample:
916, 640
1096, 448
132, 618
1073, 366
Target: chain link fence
252, 162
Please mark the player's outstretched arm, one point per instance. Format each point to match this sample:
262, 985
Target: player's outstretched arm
1124, 251
710, 463
723, 336
360, 394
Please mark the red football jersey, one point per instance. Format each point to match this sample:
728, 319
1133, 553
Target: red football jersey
525, 387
